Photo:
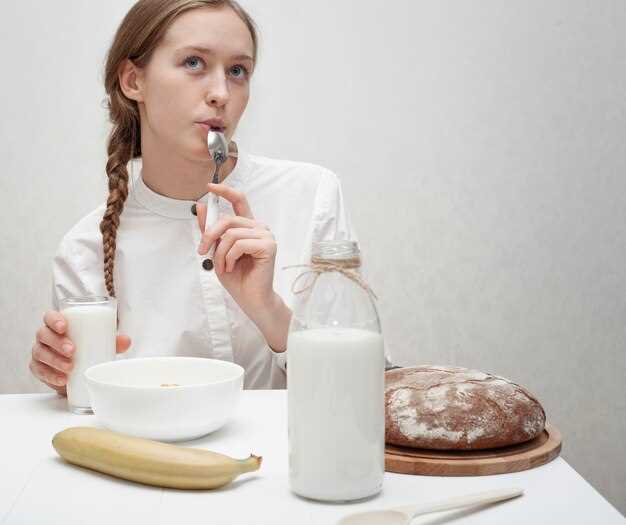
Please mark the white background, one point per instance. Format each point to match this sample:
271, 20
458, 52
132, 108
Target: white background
481, 149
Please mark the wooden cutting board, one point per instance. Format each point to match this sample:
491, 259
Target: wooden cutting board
539, 451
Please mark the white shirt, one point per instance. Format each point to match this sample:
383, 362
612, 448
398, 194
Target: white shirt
167, 302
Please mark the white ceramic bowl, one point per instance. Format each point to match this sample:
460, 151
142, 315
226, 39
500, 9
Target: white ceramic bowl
127, 396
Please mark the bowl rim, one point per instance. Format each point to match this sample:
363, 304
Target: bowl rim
235, 366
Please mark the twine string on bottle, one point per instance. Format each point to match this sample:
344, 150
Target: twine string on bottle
319, 266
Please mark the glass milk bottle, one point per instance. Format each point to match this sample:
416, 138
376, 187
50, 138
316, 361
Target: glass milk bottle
335, 380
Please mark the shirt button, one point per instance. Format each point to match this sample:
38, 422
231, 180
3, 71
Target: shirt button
207, 264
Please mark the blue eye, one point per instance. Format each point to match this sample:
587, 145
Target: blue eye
244, 70
193, 59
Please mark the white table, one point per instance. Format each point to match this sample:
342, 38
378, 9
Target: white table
37, 486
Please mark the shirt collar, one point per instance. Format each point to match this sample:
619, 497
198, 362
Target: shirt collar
179, 208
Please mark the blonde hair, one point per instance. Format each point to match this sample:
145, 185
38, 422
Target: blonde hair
138, 35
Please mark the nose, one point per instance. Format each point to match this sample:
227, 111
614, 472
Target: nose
217, 93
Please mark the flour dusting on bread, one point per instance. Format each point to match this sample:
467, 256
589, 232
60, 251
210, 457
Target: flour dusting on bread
443, 407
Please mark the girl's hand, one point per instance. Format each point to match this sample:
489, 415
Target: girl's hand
53, 352
245, 252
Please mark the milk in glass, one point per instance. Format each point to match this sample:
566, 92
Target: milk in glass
92, 328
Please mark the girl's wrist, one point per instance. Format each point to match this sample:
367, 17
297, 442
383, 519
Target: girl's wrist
272, 319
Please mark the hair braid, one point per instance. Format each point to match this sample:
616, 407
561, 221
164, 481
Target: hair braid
120, 153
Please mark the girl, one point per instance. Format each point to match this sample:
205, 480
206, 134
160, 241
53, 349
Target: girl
176, 69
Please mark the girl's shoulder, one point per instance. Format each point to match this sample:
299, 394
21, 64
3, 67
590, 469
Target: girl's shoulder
307, 172
302, 188
83, 240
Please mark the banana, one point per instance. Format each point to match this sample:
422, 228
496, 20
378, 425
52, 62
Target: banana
147, 461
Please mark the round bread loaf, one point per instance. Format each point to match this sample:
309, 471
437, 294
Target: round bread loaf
453, 408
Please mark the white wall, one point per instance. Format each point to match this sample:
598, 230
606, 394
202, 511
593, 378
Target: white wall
481, 147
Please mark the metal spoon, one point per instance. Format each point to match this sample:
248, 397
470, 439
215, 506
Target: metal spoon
404, 515
218, 148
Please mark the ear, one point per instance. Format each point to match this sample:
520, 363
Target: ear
131, 80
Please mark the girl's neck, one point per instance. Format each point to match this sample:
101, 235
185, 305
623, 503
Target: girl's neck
190, 179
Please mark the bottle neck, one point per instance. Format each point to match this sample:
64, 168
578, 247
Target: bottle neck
352, 263
342, 254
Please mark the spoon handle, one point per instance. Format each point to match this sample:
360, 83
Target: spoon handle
480, 498
212, 215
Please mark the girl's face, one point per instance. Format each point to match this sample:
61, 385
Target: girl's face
201, 70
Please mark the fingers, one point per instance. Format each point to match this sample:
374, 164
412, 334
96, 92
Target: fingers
45, 354
236, 198
45, 373
230, 237
52, 353
61, 390
55, 321
201, 214
257, 248
225, 223
122, 343
60, 343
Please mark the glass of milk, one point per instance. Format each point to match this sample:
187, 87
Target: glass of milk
335, 384
92, 327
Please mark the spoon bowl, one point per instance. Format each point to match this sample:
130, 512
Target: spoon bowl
218, 148
376, 517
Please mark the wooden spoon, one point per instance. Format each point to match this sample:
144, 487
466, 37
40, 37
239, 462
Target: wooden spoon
404, 515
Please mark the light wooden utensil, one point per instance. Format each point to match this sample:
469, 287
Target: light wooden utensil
404, 515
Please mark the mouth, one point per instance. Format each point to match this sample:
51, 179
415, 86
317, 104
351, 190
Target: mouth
213, 125
208, 128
